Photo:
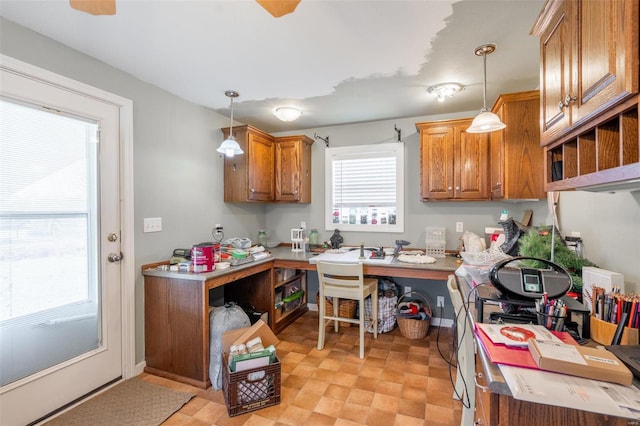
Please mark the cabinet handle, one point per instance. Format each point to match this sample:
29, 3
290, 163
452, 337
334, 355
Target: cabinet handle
449, 189
568, 99
566, 102
253, 190
458, 188
475, 380
498, 184
295, 191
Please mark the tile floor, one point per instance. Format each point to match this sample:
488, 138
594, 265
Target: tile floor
399, 382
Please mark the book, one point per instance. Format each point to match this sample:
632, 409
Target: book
515, 334
251, 360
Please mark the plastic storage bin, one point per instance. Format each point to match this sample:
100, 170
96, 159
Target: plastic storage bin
250, 390
435, 241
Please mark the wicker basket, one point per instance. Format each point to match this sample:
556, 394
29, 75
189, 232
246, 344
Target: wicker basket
347, 309
414, 328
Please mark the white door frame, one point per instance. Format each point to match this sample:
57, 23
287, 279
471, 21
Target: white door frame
127, 269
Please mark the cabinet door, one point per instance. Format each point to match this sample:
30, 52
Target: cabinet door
607, 41
436, 163
471, 165
288, 167
260, 159
555, 74
517, 159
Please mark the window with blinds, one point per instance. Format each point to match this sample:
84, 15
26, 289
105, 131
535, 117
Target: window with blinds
364, 188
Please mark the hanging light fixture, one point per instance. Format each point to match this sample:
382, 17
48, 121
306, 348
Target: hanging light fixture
486, 121
287, 113
230, 147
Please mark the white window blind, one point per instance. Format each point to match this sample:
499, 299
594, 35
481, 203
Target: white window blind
364, 187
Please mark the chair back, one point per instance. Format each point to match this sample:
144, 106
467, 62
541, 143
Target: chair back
340, 279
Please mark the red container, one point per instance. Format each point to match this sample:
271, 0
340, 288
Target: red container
202, 257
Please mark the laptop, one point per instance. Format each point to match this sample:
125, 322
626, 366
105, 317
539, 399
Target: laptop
629, 355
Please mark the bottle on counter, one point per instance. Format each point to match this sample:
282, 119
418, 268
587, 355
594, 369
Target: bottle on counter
314, 238
262, 238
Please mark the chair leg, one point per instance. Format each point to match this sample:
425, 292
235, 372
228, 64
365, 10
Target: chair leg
361, 325
336, 312
321, 321
374, 306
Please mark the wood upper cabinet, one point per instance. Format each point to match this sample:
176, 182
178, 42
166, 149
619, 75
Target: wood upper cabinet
454, 164
517, 159
250, 176
271, 169
588, 60
293, 169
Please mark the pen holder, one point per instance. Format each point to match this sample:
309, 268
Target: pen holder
551, 322
602, 332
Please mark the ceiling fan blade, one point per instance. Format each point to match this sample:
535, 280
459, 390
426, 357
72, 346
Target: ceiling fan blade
95, 7
279, 8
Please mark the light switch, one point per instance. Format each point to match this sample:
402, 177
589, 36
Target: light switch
152, 224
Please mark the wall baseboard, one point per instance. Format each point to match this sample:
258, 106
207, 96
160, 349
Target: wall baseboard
139, 368
435, 321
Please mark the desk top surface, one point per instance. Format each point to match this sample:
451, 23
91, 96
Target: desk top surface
287, 258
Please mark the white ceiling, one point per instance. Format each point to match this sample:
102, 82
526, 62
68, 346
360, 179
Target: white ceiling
339, 61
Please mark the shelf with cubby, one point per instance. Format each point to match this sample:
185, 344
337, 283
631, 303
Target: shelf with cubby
290, 296
606, 152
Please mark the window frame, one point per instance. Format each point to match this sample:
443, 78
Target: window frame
362, 152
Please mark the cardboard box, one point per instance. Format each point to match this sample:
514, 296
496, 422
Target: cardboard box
591, 363
243, 335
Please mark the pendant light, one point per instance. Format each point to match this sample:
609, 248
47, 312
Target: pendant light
230, 147
486, 121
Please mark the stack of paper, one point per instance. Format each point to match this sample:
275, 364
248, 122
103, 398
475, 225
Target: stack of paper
562, 390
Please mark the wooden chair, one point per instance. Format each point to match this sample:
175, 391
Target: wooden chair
345, 281
464, 389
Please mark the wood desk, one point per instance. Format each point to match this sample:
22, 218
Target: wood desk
177, 306
496, 406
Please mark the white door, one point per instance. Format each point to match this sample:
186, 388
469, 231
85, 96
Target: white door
60, 277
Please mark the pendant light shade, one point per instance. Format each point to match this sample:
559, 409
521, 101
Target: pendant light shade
230, 146
486, 121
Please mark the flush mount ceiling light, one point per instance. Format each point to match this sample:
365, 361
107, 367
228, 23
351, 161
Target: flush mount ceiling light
445, 90
287, 113
230, 147
486, 121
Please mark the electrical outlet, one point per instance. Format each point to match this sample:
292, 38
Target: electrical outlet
152, 224
459, 226
407, 289
440, 301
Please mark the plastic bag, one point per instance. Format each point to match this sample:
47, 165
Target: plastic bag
224, 318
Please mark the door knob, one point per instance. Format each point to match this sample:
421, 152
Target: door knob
114, 257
